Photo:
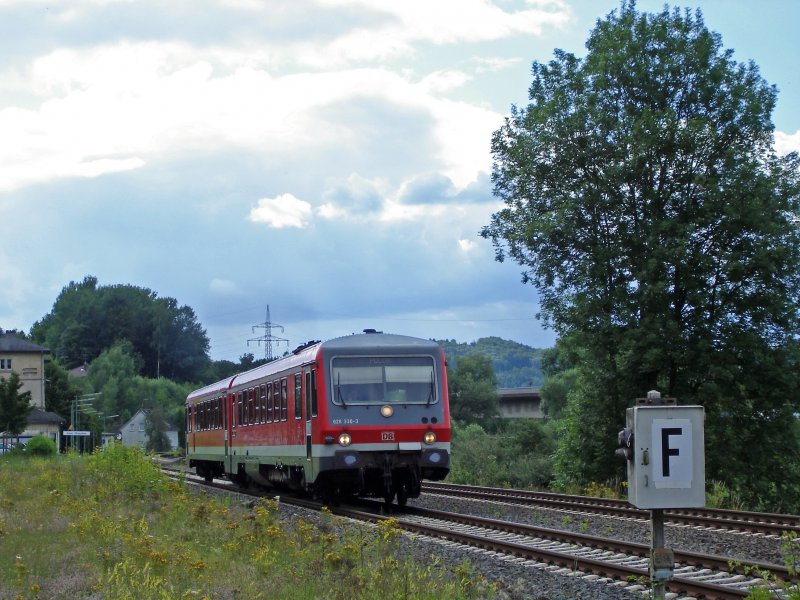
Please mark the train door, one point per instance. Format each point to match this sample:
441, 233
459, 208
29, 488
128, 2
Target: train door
226, 420
310, 390
190, 425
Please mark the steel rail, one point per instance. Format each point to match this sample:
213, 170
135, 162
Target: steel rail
767, 523
619, 572
695, 559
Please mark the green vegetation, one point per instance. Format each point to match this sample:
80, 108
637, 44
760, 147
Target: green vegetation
112, 526
515, 364
645, 202
40, 445
473, 390
14, 407
516, 453
88, 319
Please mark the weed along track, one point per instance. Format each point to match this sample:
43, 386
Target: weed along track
508, 551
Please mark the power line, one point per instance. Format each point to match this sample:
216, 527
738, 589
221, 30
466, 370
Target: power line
268, 338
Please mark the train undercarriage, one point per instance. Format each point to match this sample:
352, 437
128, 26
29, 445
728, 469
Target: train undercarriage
386, 475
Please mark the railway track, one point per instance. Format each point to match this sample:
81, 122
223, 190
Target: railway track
610, 561
763, 523
697, 575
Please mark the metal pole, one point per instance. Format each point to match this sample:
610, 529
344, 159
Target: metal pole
662, 560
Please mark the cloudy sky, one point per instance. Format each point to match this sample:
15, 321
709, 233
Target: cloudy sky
326, 158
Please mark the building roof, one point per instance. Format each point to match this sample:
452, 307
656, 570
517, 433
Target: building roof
42, 417
145, 411
11, 343
79, 371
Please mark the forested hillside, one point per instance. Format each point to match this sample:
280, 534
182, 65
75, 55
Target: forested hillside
515, 365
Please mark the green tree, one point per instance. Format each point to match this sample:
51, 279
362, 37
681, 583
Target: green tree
14, 407
155, 428
473, 390
515, 364
60, 390
110, 374
648, 207
560, 367
87, 319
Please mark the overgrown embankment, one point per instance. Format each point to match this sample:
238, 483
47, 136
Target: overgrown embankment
112, 526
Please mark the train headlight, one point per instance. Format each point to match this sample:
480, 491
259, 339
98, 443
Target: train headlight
387, 411
345, 439
429, 437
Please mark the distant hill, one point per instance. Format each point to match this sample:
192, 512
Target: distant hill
515, 364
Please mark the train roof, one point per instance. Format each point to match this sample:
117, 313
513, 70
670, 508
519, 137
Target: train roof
373, 341
369, 341
212, 389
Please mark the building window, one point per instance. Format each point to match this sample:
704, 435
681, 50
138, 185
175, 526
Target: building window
5, 364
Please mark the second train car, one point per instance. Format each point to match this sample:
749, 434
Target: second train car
360, 415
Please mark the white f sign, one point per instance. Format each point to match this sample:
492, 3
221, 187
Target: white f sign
672, 453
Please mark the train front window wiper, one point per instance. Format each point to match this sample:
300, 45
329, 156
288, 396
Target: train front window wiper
339, 395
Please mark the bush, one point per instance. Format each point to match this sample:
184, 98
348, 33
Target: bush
40, 446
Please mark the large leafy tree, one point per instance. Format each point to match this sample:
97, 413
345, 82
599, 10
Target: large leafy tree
155, 426
60, 388
87, 319
473, 390
645, 200
14, 406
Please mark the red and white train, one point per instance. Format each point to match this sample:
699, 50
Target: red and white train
361, 415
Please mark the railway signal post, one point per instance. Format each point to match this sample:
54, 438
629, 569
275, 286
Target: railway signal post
663, 444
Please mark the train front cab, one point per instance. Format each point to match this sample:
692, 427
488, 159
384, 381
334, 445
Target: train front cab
386, 426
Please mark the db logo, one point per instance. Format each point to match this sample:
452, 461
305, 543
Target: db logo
387, 436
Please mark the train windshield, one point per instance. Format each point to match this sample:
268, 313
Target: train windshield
380, 380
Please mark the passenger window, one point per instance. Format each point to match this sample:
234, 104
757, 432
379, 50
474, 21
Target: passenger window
262, 401
269, 403
298, 396
239, 408
284, 398
276, 400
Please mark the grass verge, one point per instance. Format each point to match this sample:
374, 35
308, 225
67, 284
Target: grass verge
112, 526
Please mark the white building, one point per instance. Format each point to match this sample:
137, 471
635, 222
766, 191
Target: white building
133, 432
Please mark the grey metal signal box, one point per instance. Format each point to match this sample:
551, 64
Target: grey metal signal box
667, 469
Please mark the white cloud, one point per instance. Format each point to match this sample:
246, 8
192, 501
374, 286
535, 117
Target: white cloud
283, 211
224, 287
441, 22
118, 107
484, 64
785, 143
466, 246
331, 211
444, 81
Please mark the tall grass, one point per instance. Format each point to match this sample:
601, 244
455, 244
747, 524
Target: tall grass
112, 526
